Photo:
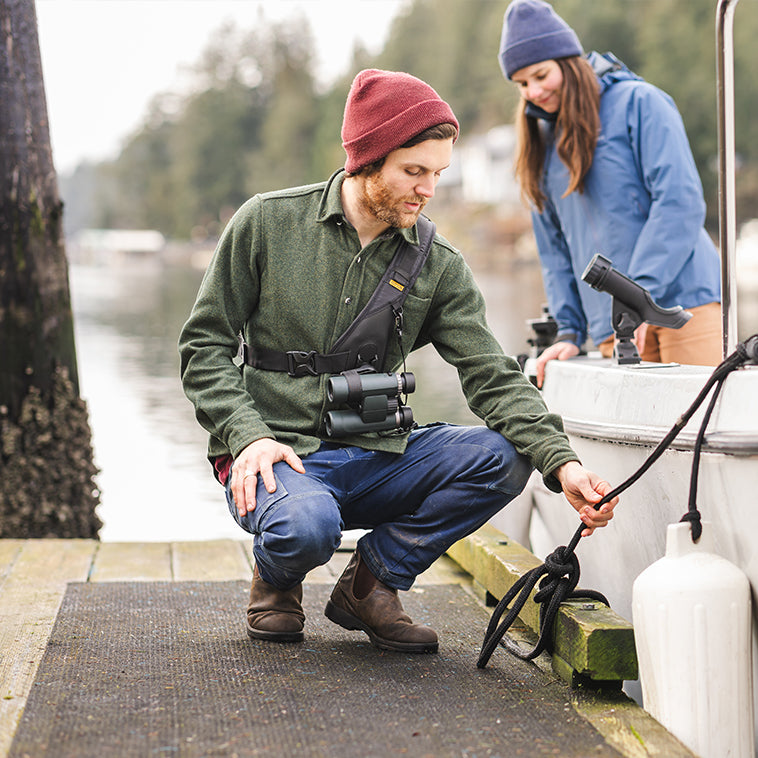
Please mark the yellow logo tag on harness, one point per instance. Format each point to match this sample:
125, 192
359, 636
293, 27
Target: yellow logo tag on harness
396, 285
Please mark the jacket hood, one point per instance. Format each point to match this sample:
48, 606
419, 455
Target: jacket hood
609, 70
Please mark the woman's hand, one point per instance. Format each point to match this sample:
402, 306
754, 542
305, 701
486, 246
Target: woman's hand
560, 350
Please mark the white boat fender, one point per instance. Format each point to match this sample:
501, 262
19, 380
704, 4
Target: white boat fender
691, 612
692, 618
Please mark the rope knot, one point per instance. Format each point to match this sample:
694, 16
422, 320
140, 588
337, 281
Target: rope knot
693, 517
559, 577
560, 562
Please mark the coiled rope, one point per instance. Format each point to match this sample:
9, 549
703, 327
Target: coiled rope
559, 574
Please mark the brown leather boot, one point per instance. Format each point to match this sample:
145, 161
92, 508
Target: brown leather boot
274, 614
378, 612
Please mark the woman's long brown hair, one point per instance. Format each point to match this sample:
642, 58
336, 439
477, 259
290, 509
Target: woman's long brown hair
577, 129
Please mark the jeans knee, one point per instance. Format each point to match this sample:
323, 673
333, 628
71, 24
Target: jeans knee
519, 474
512, 469
301, 532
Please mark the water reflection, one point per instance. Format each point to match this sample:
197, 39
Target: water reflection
154, 479
156, 483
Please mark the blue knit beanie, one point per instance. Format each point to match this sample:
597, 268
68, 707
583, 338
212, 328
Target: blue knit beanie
534, 32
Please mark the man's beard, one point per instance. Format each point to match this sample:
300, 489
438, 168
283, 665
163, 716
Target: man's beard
383, 205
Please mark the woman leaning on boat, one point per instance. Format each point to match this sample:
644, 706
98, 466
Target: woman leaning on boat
604, 161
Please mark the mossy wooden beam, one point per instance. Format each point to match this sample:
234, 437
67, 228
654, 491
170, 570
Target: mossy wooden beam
593, 644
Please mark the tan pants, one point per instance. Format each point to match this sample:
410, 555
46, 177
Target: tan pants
697, 343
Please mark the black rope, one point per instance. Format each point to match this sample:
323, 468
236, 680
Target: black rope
693, 514
559, 574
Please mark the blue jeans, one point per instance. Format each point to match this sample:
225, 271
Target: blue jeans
449, 481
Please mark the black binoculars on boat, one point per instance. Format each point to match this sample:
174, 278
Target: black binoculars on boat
632, 305
375, 402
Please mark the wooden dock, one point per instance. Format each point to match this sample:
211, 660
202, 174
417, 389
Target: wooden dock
34, 575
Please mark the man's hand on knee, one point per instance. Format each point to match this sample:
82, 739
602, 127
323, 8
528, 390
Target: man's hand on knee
584, 489
258, 459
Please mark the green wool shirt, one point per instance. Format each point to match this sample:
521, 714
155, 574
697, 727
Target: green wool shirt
289, 273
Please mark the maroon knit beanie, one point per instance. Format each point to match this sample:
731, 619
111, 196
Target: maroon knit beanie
384, 110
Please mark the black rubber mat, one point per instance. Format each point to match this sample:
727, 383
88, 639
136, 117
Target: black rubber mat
166, 669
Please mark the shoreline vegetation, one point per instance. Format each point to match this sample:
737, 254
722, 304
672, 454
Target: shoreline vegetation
253, 118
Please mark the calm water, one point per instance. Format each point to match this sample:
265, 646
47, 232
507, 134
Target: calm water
155, 481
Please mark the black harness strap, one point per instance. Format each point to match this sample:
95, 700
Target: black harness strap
367, 337
295, 362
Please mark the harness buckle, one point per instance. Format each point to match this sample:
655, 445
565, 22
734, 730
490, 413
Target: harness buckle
301, 363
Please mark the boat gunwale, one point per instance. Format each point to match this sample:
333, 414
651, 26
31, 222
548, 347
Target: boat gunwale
722, 441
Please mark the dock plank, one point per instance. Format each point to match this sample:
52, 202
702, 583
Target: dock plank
132, 562
325, 574
444, 571
31, 596
212, 561
9, 553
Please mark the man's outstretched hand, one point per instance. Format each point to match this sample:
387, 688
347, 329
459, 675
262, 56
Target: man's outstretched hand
584, 489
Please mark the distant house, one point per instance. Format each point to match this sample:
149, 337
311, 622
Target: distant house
482, 169
747, 258
108, 246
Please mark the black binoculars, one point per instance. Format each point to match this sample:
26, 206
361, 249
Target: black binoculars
374, 399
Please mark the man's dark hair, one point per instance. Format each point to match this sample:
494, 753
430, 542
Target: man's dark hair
440, 131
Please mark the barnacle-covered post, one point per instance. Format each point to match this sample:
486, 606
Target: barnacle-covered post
46, 467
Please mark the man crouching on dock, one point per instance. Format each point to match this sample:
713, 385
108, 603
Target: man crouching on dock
291, 272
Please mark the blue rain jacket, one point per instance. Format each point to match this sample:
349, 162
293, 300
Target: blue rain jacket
642, 207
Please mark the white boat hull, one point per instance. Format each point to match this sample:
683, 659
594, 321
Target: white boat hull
615, 415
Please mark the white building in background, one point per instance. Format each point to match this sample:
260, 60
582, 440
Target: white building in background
747, 257
107, 246
482, 169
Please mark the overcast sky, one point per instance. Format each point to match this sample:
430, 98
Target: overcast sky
103, 60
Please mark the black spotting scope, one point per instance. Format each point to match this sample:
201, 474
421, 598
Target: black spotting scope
632, 305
